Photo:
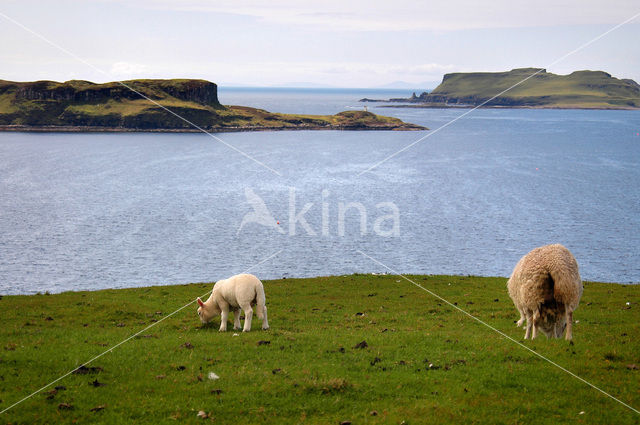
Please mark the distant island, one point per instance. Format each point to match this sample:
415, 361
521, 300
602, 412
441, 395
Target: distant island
578, 90
85, 106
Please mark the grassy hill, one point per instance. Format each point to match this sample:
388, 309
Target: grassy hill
423, 361
85, 106
580, 89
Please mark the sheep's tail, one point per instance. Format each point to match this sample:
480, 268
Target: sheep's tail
261, 301
567, 287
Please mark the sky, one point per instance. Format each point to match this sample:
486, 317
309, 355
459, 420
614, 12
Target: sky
322, 43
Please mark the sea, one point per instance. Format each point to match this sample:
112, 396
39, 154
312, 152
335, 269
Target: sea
470, 196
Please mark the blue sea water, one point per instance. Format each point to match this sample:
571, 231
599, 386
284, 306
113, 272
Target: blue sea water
90, 211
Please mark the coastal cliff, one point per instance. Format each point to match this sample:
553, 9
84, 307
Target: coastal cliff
155, 105
200, 91
579, 90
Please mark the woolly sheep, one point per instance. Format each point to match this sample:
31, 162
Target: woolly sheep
238, 292
545, 287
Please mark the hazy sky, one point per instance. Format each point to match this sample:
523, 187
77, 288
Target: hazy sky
339, 43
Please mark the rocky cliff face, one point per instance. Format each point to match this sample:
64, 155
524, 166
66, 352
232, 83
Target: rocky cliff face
199, 91
116, 104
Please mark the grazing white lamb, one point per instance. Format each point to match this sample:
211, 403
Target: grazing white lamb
238, 292
545, 287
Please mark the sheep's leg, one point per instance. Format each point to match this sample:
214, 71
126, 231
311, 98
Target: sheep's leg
236, 319
248, 315
224, 316
265, 322
569, 333
521, 320
534, 327
527, 332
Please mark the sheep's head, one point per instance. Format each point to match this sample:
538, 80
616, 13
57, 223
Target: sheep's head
553, 329
552, 321
206, 312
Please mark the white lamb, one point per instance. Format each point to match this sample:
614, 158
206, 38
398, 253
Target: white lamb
238, 292
545, 287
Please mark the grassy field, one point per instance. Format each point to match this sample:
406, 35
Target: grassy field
580, 89
82, 105
364, 349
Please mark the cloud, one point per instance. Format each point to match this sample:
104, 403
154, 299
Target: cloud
127, 69
422, 69
384, 69
408, 15
345, 74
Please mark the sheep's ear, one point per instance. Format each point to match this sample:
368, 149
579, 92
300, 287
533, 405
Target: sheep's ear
200, 303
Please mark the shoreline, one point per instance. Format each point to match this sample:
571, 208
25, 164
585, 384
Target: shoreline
149, 285
447, 106
92, 129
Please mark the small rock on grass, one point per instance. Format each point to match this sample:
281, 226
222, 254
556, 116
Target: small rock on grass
202, 414
362, 344
83, 370
187, 345
632, 366
98, 408
147, 336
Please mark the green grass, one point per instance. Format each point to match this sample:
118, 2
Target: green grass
310, 371
580, 89
82, 104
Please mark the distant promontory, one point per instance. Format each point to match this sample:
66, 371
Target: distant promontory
578, 90
177, 105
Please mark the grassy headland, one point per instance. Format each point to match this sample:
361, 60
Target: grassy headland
85, 106
580, 89
423, 362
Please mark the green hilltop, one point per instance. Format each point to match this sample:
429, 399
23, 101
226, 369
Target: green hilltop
155, 105
580, 89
